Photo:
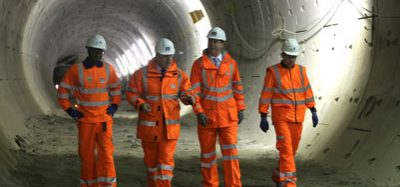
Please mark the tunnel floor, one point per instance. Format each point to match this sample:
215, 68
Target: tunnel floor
48, 157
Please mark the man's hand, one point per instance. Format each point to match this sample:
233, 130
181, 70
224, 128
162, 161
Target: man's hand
264, 126
146, 108
75, 114
203, 119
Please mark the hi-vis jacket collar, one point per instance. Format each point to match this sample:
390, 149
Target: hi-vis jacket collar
208, 64
89, 65
153, 69
285, 66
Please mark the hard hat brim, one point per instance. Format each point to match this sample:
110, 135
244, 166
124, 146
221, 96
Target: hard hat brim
166, 53
292, 53
216, 38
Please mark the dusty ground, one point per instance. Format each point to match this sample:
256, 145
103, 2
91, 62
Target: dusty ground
48, 157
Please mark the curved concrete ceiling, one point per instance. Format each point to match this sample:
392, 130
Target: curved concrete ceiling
350, 49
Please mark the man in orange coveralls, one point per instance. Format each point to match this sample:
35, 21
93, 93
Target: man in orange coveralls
288, 91
215, 78
92, 83
154, 91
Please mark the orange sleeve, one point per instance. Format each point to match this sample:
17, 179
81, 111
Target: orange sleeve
196, 80
185, 88
114, 86
135, 90
309, 95
266, 92
237, 88
67, 87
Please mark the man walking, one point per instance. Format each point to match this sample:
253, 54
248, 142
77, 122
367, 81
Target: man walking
154, 91
93, 84
288, 91
215, 78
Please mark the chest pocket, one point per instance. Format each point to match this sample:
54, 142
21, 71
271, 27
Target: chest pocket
92, 78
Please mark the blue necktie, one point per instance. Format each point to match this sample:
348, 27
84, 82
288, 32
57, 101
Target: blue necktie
216, 61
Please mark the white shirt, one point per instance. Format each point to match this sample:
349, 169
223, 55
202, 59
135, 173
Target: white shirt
217, 60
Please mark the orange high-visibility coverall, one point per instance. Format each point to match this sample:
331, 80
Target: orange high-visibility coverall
159, 129
289, 93
221, 97
92, 89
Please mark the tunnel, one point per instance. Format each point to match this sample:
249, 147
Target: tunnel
350, 49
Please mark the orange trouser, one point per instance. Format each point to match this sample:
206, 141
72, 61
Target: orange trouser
227, 139
100, 171
159, 160
287, 141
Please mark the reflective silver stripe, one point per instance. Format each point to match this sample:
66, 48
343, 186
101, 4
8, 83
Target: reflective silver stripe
238, 91
152, 170
194, 86
171, 122
266, 89
309, 100
132, 90
107, 179
115, 93
280, 137
162, 177
307, 87
144, 80
208, 165
161, 167
237, 83
228, 146
214, 89
286, 181
218, 99
278, 77
107, 72
204, 77
80, 75
283, 101
114, 85
93, 103
88, 182
287, 174
168, 96
230, 157
301, 76
166, 167
63, 96
92, 90
287, 101
134, 99
286, 91
265, 101
67, 86
208, 155
147, 123
151, 97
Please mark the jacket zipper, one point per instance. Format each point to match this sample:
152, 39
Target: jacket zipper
295, 100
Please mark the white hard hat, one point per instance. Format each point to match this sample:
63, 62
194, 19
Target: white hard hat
97, 41
291, 47
165, 47
217, 33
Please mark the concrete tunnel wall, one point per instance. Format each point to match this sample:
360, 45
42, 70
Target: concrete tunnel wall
351, 58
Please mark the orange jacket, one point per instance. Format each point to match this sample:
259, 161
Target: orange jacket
92, 89
161, 93
288, 91
220, 90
